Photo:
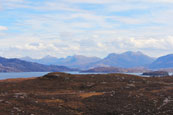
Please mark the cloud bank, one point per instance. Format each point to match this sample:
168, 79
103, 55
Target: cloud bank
88, 27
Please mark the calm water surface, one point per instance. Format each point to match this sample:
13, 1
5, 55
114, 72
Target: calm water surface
38, 74
21, 75
29, 74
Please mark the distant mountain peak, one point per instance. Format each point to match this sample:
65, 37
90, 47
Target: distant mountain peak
127, 53
169, 55
26, 57
48, 57
127, 59
112, 55
75, 61
133, 53
163, 62
79, 56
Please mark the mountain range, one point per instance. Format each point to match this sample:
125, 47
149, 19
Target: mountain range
17, 65
125, 60
76, 61
162, 62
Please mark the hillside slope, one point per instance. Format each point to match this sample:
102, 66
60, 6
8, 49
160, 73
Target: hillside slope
126, 60
13, 65
162, 62
76, 61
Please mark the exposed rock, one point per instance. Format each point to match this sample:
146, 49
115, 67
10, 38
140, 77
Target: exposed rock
1, 100
20, 95
17, 109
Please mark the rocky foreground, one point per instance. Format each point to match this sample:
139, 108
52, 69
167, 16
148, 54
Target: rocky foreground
66, 94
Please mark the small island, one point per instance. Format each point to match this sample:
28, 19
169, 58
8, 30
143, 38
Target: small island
156, 73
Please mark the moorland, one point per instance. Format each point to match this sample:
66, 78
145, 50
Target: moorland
94, 94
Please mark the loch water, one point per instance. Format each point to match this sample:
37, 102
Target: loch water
38, 74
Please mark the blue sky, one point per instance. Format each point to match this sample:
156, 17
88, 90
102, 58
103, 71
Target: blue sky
87, 27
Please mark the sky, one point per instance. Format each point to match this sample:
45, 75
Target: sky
60, 28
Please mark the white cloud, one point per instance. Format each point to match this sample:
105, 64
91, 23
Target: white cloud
160, 1
90, 1
64, 27
2, 28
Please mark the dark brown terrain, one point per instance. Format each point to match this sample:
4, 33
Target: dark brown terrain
66, 94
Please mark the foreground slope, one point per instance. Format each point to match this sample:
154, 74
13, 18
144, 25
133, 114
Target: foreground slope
65, 94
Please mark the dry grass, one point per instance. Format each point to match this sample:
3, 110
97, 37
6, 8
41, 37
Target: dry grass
110, 94
51, 100
86, 95
60, 92
17, 79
